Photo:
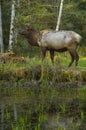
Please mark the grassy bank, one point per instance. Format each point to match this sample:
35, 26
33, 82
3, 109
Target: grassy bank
28, 69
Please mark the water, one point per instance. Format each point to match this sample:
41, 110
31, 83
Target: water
42, 108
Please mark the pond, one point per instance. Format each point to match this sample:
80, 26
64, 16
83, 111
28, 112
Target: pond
35, 107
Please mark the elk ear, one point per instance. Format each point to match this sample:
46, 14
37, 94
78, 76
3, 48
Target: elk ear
30, 27
27, 26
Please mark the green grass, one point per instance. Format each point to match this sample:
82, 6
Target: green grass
82, 62
82, 92
35, 69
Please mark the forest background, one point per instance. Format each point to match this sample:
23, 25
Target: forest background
42, 14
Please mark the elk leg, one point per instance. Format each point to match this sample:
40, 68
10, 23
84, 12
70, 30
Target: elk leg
43, 53
76, 58
52, 55
72, 58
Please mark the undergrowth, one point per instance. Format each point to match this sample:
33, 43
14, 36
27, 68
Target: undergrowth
44, 72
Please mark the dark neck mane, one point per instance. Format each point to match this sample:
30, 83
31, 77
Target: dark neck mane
33, 36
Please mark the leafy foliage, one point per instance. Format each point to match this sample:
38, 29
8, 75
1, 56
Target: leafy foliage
6, 15
42, 15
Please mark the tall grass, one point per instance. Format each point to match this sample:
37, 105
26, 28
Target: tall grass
44, 72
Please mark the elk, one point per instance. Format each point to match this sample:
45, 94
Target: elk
50, 40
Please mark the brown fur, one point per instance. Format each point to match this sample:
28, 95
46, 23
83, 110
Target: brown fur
42, 32
32, 35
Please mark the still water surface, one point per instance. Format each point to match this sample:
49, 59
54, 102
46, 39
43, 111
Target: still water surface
42, 108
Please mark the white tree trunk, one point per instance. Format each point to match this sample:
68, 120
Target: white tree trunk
12, 25
1, 34
60, 14
18, 3
15, 112
28, 2
16, 18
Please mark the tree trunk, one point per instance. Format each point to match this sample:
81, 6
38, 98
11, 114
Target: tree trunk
15, 113
12, 25
28, 2
18, 1
60, 14
1, 34
2, 116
